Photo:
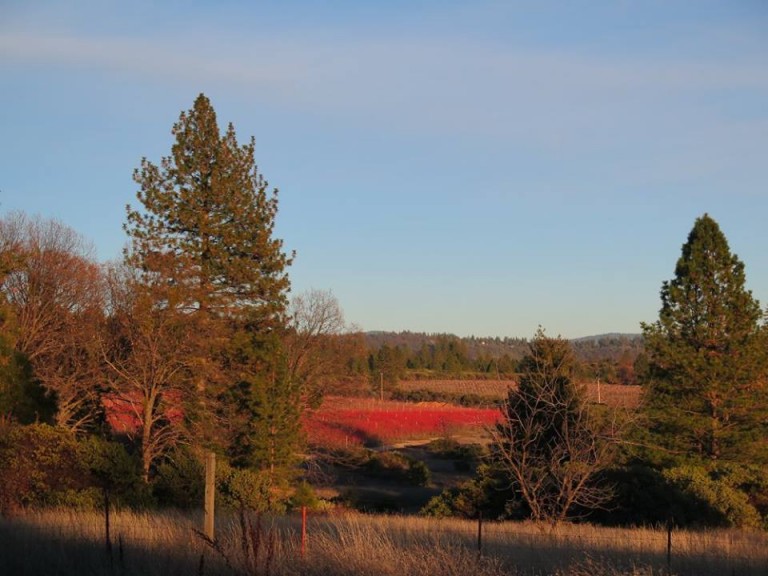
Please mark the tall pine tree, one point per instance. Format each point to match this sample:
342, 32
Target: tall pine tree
208, 221
706, 396
204, 241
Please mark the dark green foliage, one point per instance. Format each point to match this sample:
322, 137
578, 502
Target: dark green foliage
468, 400
418, 473
488, 492
22, 398
421, 356
697, 496
179, 480
451, 449
388, 363
706, 397
263, 409
45, 466
40, 465
460, 501
548, 445
304, 495
397, 467
249, 489
716, 496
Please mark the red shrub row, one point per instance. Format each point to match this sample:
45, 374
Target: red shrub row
374, 423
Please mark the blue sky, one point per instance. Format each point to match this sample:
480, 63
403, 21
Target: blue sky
467, 167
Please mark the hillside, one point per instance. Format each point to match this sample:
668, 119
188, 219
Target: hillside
612, 346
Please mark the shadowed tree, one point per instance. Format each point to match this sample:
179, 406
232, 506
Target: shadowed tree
548, 445
705, 394
150, 352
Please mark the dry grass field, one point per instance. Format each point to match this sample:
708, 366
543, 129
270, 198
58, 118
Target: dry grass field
611, 394
62, 543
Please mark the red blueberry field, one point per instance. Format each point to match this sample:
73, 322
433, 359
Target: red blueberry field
346, 422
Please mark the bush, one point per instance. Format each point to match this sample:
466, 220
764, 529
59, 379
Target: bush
180, 480
690, 495
47, 466
468, 400
304, 495
111, 467
251, 489
398, 467
418, 473
463, 501
716, 496
488, 492
40, 463
451, 449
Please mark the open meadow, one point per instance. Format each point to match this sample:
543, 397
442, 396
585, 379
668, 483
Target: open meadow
59, 543
617, 395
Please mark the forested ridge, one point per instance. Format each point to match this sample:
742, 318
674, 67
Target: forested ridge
612, 358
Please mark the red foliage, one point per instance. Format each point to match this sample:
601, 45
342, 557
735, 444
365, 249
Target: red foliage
123, 412
348, 422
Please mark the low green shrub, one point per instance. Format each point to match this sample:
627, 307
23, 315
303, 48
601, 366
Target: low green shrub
179, 480
394, 466
255, 490
714, 496
468, 400
696, 495
48, 466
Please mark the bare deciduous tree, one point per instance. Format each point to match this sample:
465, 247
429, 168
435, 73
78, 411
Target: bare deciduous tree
150, 351
55, 290
315, 340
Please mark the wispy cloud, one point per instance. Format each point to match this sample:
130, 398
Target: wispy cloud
390, 73
549, 100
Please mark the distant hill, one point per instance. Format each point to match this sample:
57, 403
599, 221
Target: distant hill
475, 346
609, 336
588, 348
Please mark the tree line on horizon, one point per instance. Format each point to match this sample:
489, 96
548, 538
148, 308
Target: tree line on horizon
612, 359
193, 341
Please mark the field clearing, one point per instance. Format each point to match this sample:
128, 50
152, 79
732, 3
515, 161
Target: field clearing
344, 422
66, 542
616, 395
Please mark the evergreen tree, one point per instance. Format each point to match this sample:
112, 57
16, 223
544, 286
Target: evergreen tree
547, 444
204, 241
208, 223
705, 391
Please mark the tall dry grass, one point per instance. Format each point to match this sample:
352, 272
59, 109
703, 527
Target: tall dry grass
164, 544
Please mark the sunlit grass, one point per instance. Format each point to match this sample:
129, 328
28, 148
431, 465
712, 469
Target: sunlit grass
67, 542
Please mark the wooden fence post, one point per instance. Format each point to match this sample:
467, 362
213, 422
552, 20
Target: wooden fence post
669, 545
479, 533
303, 531
107, 535
210, 493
